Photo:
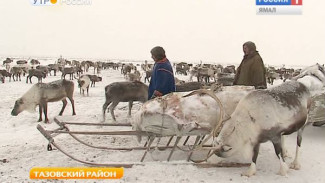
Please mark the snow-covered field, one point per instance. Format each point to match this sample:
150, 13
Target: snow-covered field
22, 147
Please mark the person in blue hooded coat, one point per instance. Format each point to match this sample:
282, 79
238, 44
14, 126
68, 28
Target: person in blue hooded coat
162, 79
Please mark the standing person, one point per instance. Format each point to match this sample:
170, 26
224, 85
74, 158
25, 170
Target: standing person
162, 79
251, 71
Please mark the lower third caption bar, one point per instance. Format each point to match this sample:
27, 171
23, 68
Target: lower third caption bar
76, 173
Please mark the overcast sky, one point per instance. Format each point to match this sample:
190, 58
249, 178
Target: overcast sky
189, 30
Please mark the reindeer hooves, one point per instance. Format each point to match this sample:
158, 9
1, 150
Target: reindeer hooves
295, 166
282, 173
250, 172
283, 170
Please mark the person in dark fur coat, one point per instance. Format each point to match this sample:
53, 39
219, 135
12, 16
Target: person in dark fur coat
162, 79
251, 71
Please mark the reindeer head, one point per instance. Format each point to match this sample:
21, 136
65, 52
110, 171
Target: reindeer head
18, 107
231, 140
22, 105
81, 83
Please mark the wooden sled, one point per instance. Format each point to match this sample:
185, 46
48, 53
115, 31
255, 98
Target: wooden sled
167, 124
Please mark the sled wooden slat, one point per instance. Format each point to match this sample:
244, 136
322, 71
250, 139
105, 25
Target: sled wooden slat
104, 132
221, 165
45, 133
60, 123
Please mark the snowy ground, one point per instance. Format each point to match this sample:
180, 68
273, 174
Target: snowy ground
22, 147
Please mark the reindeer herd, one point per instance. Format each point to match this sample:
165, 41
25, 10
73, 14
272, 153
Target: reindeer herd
206, 75
34, 68
133, 89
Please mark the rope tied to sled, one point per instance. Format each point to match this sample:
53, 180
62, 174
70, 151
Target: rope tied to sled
216, 130
163, 104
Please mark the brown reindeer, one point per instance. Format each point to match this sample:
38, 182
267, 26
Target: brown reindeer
37, 73
20, 62
124, 92
136, 76
68, 70
229, 69
42, 93
126, 69
94, 79
7, 61
189, 86
5, 73
54, 68
87, 64
43, 68
182, 68
148, 76
16, 71
202, 73
34, 62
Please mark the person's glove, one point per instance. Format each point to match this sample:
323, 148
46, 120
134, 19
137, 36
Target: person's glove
156, 94
153, 96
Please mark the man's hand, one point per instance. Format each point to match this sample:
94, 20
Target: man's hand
156, 94
153, 96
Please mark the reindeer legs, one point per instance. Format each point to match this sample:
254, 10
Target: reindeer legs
72, 103
43, 109
295, 164
28, 77
105, 107
130, 107
252, 169
111, 109
285, 153
40, 109
45, 112
279, 151
63, 107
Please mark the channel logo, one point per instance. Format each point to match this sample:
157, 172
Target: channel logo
279, 7
43, 2
278, 2
60, 2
